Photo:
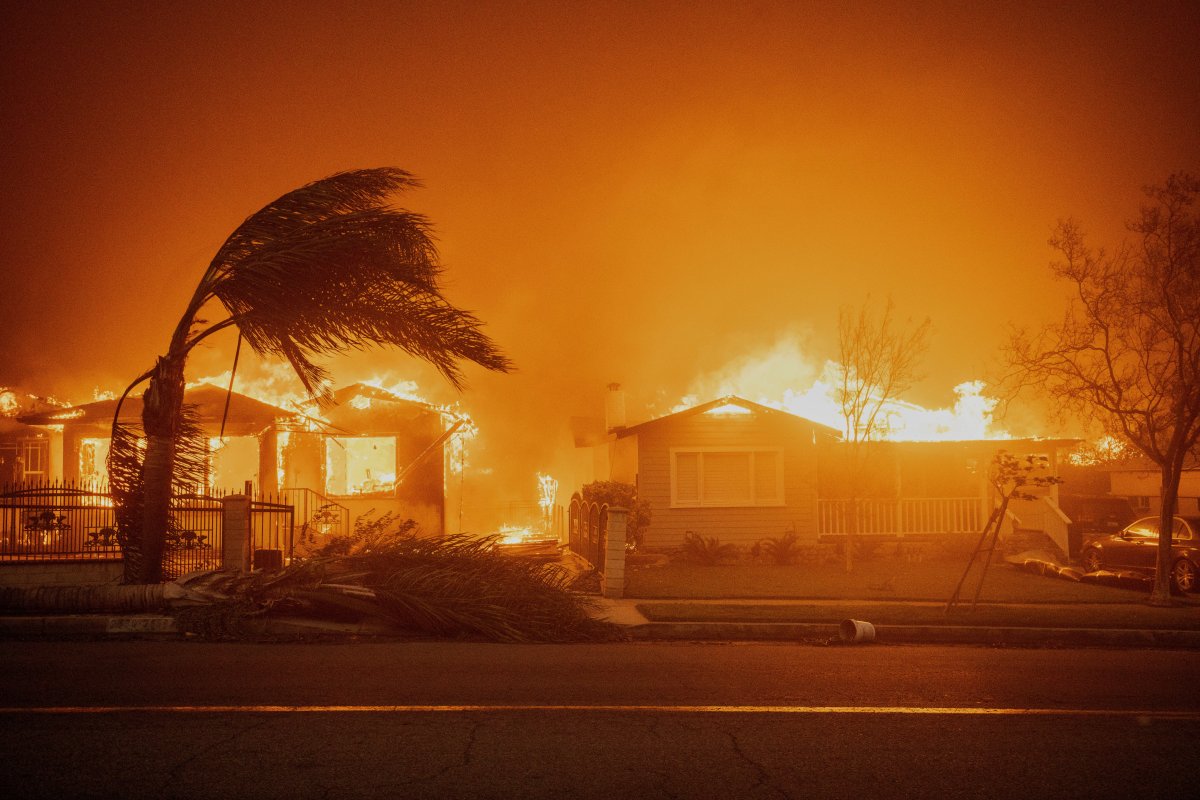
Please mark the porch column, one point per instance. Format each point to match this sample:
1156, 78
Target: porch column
235, 532
612, 581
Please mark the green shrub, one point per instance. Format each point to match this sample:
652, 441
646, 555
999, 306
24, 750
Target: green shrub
615, 493
707, 550
780, 549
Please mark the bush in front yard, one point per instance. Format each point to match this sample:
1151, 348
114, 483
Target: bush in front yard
780, 550
707, 550
615, 493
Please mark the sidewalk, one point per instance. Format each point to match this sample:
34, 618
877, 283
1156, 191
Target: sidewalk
823, 626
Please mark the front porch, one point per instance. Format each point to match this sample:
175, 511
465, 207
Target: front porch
913, 518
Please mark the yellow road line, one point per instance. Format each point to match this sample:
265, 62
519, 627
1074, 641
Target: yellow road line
590, 708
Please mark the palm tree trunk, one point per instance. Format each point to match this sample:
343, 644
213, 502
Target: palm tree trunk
161, 409
83, 599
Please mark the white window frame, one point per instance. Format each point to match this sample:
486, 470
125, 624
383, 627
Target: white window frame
25, 448
752, 501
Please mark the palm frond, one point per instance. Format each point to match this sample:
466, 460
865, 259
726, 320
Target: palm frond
337, 194
125, 457
330, 267
454, 586
127, 479
190, 471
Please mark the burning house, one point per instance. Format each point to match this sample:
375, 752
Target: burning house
370, 451
79, 437
373, 451
743, 471
26, 454
729, 467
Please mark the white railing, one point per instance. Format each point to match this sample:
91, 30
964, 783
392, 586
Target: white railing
903, 517
1043, 514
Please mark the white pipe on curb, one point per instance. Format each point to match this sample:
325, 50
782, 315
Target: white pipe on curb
855, 630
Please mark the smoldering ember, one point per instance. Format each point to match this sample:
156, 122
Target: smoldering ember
458, 327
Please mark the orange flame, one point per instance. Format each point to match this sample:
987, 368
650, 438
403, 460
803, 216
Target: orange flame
776, 378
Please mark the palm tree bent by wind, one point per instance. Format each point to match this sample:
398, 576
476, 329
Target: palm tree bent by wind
326, 268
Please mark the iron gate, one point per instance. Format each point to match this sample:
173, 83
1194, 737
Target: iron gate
588, 524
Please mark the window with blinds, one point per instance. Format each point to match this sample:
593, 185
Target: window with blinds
727, 478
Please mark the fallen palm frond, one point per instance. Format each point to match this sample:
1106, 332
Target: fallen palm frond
454, 586
447, 587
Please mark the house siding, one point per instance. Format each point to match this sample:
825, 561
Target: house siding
623, 460
738, 525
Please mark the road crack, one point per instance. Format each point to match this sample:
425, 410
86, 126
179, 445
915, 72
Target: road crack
173, 775
762, 776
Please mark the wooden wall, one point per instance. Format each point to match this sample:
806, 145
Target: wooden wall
739, 525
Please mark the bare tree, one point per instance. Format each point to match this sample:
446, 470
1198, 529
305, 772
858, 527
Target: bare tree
1127, 351
1011, 478
877, 363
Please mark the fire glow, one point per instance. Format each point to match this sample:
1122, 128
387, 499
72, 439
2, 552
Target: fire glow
773, 378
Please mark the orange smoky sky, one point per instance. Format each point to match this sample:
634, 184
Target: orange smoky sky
633, 192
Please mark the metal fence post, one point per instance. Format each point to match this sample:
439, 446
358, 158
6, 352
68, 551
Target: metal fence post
612, 582
235, 545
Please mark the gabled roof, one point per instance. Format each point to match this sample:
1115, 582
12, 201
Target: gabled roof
209, 401
730, 400
362, 409
355, 390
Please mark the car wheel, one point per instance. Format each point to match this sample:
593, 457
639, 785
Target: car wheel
1183, 576
1091, 560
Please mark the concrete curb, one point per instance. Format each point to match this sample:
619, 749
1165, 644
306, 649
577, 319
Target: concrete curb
916, 634
88, 625
157, 625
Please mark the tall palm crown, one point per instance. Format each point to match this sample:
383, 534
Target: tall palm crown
323, 269
329, 267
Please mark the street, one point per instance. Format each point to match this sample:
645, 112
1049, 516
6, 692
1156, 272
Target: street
183, 719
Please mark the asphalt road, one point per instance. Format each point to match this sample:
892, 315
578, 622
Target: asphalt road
172, 719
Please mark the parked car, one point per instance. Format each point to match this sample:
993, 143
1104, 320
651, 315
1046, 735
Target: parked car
1136, 548
1093, 516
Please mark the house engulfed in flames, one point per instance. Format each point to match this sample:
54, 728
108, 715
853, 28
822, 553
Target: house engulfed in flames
743, 472
369, 451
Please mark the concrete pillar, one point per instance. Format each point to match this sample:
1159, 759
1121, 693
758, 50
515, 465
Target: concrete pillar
612, 582
235, 533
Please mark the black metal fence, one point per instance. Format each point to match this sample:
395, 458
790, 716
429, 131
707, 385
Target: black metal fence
588, 525
62, 522
56, 521
315, 515
195, 541
272, 530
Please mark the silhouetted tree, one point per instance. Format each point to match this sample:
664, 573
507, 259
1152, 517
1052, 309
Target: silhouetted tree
1127, 352
1011, 479
877, 363
323, 269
